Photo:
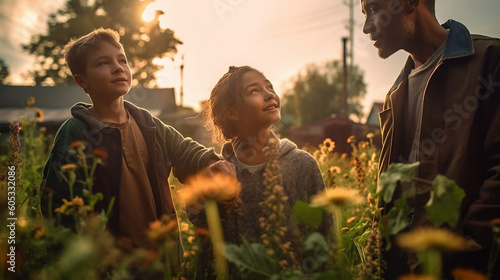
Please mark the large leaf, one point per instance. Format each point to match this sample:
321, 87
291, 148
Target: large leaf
398, 216
397, 172
444, 205
316, 244
250, 257
310, 216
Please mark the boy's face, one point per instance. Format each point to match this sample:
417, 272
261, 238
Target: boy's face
107, 75
389, 24
260, 105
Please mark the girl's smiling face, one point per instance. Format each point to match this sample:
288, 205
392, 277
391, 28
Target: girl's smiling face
259, 105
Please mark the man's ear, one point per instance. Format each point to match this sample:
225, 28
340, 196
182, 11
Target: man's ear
412, 5
80, 81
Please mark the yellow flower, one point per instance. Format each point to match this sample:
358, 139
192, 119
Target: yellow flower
370, 135
425, 238
220, 187
336, 197
77, 201
63, 207
351, 139
467, 274
329, 144
30, 101
76, 205
334, 169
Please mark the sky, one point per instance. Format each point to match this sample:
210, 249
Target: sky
278, 37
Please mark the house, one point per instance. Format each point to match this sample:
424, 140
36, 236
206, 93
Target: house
373, 119
336, 128
55, 103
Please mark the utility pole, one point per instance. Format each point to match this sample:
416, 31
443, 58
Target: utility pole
182, 82
344, 77
351, 34
349, 87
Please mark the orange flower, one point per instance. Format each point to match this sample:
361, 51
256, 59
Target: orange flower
221, 187
76, 144
100, 153
416, 277
30, 101
467, 274
201, 232
159, 231
69, 166
39, 115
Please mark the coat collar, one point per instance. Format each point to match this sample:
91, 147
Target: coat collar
458, 44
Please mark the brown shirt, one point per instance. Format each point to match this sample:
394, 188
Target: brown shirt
137, 207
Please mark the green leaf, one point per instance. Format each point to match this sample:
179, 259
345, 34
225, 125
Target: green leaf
397, 172
327, 275
310, 216
398, 216
316, 244
360, 243
443, 206
288, 275
250, 257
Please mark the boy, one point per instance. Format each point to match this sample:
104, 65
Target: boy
141, 149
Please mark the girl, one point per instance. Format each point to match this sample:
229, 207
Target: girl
242, 108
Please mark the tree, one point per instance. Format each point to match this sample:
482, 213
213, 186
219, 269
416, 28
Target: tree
142, 41
317, 93
4, 71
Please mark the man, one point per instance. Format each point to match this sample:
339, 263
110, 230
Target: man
444, 112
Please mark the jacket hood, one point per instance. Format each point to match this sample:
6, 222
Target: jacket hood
285, 147
81, 110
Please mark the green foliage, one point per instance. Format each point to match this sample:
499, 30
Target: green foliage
142, 41
307, 215
318, 93
251, 259
398, 216
444, 205
396, 173
50, 250
4, 71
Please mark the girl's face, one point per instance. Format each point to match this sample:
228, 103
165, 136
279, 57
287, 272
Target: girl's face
259, 107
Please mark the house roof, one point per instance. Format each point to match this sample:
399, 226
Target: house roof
55, 102
372, 118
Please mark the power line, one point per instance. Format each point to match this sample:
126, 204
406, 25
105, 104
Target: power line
317, 15
304, 30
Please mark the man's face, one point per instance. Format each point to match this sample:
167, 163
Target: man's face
389, 24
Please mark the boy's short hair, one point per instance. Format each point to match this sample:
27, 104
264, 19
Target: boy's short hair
76, 51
